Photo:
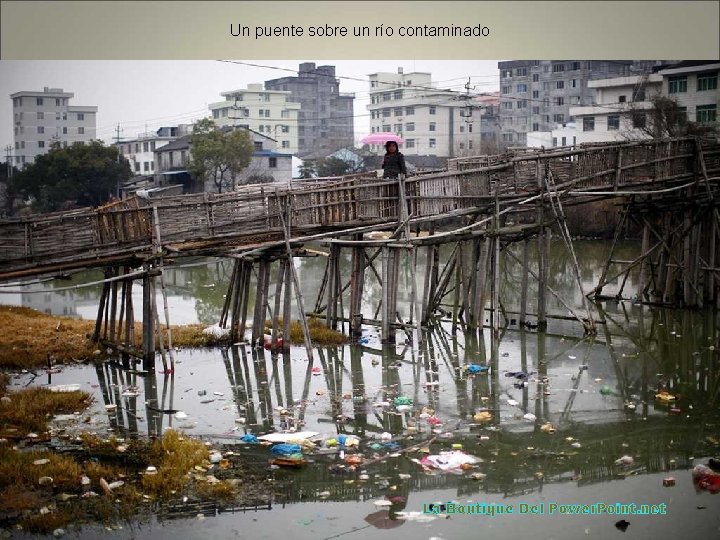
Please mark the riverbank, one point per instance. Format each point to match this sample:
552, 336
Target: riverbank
31, 339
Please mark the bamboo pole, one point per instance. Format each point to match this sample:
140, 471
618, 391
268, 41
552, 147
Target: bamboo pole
276, 310
287, 307
157, 241
524, 280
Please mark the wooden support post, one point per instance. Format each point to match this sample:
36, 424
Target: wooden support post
276, 310
129, 319
524, 281
357, 278
385, 312
481, 284
496, 273
457, 286
393, 293
332, 287
228, 303
542, 279
101, 310
642, 278
687, 291
113, 307
710, 289
258, 323
287, 307
148, 322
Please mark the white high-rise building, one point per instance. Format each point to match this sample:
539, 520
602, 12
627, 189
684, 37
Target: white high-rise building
432, 121
269, 112
43, 117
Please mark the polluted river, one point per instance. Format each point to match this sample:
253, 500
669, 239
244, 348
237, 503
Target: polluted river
528, 435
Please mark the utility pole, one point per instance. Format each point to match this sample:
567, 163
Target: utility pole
468, 117
8, 150
117, 145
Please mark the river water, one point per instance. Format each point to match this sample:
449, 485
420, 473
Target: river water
597, 392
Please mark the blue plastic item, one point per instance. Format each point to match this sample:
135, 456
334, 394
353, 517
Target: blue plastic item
474, 369
341, 440
285, 449
392, 446
249, 438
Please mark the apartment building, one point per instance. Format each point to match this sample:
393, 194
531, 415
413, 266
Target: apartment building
140, 151
694, 84
432, 121
268, 112
41, 118
325, 119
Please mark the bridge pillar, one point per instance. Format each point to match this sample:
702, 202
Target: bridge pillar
357, 279
148, 354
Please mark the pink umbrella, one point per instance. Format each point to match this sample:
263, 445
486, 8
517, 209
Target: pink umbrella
381, 138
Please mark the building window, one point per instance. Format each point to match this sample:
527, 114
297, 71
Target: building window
64, 116
536, 126
505, 73
397, 94
536, 77
386, 127
507, 105
559, 118
622, 99
707, 81
638, 94
506, 89
145, 146
41, 144
563, 141
677, 85
65, 133
80, 116
507, 137
573, 83
146, 166
397, 128
410, 126
462, 146
409, 111
557, 68
286, 144
559, 101
57, 116
40, 115
431, 143
589, 123
39, 101
559, 85
258, 145
137, 146
522, 104
613, 122
431, 110
373, 84
536, 94
462, 129
554, 141
386, 113
152, 146
536, 110
397, 111
264, 97
521, 87
409, 143
285, 129
521, 72
432, 126
137, 166
41, 129
386, 96
216, 113
575, 67
272, 162
706, 113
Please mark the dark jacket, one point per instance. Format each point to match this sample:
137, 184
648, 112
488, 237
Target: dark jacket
394, 164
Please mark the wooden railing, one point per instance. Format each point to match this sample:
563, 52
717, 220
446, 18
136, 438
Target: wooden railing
89, 236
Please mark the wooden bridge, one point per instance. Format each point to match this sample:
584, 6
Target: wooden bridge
668, 186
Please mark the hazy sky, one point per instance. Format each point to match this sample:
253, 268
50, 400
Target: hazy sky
140, 94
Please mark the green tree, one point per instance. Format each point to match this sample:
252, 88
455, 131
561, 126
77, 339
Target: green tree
332, 166
76, 176
218, 155
8, 188
307, 170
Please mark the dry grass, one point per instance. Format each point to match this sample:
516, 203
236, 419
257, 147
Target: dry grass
29, 337
174, 456
319, 333
18, 469
30, 409
46, 523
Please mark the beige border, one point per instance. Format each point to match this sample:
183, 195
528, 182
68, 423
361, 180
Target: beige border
201, 30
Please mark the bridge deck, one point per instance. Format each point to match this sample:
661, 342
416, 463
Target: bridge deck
253, 215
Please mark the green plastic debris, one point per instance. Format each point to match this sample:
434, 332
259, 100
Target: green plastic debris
605, 390
402, 400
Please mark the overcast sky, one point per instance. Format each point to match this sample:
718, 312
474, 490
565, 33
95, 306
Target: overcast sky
149, 94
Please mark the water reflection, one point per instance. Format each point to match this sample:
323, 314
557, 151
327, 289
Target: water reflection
599, 394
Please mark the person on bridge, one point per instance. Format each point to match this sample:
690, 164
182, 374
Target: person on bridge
393, 162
